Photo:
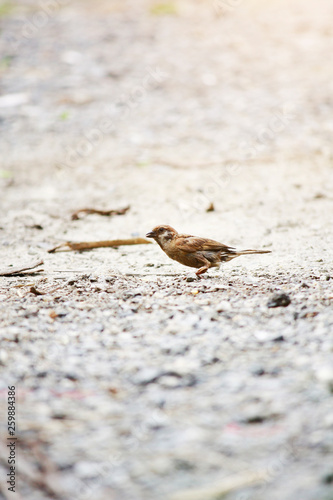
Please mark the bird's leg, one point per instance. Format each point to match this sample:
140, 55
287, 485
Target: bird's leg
202, 270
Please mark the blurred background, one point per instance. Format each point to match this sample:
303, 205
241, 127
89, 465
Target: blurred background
89, 88
177, 82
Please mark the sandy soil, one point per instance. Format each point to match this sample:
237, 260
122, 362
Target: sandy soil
133, 381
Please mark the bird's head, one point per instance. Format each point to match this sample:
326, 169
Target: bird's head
162, 234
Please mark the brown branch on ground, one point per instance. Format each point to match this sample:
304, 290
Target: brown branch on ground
121, 211
89, 245
20, 269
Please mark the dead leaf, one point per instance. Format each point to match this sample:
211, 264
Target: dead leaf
121, 211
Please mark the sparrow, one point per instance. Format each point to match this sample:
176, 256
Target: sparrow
194, 251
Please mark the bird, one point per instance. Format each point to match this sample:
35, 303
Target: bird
194, 251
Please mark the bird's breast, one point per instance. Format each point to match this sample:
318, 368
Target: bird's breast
190, 259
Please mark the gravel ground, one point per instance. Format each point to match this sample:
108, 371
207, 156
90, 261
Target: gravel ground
135, 381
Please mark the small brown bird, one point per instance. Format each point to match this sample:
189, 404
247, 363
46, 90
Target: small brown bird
194, 251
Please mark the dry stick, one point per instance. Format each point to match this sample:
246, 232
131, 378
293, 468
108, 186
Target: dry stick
89, 245
17, 270
121, 211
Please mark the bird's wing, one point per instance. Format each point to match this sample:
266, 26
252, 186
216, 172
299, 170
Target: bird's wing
190, 243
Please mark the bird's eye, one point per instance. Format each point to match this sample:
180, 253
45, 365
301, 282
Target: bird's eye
161, 229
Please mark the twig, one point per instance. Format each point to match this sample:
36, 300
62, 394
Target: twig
89, 245
121, 211
17, 270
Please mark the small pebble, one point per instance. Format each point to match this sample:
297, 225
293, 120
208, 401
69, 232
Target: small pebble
279, 300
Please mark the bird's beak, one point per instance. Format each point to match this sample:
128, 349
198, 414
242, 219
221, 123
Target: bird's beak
151, 234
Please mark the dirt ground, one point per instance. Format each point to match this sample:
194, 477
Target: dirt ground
135, 381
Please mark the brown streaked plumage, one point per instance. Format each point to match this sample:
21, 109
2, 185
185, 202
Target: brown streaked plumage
194, 251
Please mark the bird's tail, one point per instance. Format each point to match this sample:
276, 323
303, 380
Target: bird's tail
248, 252
232, 254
